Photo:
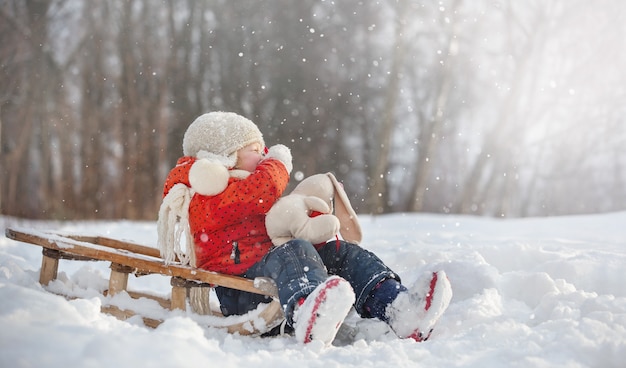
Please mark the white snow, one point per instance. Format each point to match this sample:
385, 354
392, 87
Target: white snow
540, 292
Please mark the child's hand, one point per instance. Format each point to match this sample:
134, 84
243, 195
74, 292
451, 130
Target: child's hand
281, 153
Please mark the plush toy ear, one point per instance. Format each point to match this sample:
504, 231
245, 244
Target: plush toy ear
350, 228
318, 185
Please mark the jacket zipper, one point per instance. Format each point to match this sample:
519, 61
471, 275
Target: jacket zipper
234, 254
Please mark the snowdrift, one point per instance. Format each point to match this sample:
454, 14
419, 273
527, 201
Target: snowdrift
541, 292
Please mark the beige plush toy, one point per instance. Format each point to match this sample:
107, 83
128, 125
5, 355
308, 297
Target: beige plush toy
307, 213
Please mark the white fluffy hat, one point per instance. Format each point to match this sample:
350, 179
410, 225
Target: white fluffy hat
219, 135
214, 138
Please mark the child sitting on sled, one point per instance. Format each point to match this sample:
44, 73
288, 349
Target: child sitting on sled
222, 189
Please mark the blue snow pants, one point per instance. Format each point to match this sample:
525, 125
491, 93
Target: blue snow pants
298, 268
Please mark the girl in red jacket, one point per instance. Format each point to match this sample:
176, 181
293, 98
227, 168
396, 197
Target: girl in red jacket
217, 196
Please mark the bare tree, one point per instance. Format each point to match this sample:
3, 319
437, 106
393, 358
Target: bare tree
27, 27
380, 168
432, 125
458, 106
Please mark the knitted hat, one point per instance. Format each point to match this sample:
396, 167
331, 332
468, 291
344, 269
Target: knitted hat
219, 135
214, 139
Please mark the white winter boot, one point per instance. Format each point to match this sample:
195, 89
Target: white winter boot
322, 312
414, 313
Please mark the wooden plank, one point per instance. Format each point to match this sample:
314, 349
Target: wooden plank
163, 302
124, 314
114, 243
138, 261
272, 316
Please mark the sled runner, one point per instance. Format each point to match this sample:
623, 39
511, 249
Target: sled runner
189, 285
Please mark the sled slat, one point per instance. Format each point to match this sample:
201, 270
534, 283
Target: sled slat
124, 314
115, 244
163, 302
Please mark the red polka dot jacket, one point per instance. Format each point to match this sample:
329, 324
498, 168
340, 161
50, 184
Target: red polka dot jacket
229, 228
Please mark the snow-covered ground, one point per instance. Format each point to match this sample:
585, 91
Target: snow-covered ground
545, 292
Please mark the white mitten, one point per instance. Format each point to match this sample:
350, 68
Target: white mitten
281, 153
289, 219
317, 228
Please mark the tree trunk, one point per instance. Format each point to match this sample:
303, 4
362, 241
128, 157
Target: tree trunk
378, 177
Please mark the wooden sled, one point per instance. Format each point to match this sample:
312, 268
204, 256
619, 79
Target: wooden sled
131, 258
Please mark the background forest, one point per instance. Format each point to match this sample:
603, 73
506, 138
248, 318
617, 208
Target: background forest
498, 108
